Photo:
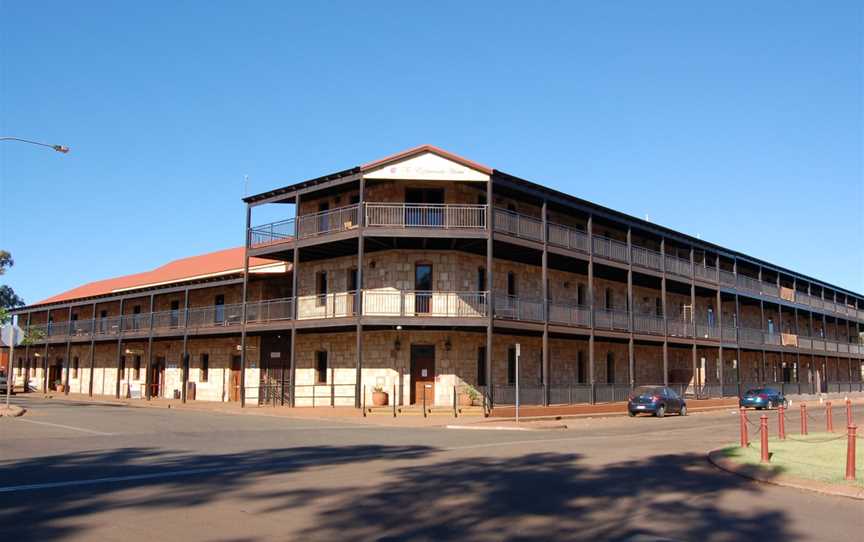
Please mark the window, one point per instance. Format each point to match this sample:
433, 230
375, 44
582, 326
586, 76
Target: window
355, 199
481, 279
770, 325
136, 309
321, 288
122, 367
205, 368
511, 283
511, 365
610, 368
75, 367
103, 325
423, 288
710, 315
321, 367
219, 309
658, 306
351, 280
580, 294
136, 368
609, 299
481, 366
74, 316
580, 367
20, 366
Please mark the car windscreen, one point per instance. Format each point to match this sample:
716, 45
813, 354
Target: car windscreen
647, 390
751, 393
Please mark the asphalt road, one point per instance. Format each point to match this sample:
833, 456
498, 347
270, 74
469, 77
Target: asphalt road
83, 471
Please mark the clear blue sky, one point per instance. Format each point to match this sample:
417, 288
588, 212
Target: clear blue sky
740, 122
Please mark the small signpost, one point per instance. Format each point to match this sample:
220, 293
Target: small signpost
11, 335
518, 355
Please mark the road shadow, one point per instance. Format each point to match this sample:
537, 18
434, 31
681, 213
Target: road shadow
43, 513
544, 496
423, 493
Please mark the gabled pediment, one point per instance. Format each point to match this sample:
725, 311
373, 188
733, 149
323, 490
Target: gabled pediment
426, 163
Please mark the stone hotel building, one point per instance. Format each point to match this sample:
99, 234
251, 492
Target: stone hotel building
417, 275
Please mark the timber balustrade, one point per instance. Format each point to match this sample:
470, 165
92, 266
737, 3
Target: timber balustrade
464, 217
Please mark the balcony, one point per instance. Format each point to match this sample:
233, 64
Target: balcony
514, 308
424, 304
411, 215
705, 273
612, 319
451, 217
332, 305
521, 226
604, 247
567, 237
679, 327
570, 315
649, 323
646, 258
679, 266
272, 310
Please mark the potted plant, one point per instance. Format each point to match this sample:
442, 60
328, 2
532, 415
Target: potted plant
379, 396
469, 396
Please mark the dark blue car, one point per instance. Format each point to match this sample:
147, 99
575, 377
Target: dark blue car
656, 400
760, 398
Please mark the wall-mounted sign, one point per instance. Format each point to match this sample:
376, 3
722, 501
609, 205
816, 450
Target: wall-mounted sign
427, 167
275, 355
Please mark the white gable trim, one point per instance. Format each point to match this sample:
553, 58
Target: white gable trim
427, 167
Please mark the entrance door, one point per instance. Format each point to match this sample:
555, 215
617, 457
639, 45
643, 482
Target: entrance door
157, 377
234, 384
422, 374
54, 372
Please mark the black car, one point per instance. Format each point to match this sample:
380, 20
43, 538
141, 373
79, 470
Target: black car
760, 398
656, 400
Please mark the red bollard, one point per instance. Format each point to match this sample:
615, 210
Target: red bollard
829, 417
763, 430
781, 422
850, 453
803, 419
743, 419
849, 420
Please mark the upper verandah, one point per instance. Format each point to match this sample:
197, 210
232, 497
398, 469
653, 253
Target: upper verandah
389, 180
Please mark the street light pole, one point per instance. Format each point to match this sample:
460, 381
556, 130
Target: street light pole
58, 148
61, 149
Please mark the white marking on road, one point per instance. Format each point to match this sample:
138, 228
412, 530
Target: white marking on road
107, 479
70, 427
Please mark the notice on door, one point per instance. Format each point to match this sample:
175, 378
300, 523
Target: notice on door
424, 373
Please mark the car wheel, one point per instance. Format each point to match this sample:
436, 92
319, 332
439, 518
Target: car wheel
683, 411
661, 411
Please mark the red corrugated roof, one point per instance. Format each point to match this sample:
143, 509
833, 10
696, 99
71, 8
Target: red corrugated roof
427, 148
177, 271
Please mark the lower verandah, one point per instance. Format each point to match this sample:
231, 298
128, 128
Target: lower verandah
326, 368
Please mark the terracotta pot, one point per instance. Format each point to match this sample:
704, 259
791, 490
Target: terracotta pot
60, 388
379, 398
465, 400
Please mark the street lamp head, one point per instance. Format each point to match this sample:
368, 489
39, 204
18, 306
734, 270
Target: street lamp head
60, 148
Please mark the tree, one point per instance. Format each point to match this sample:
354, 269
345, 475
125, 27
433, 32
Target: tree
8, 298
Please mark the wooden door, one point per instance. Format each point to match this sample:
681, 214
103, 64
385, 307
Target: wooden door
234, 384
422, 374
157, 377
